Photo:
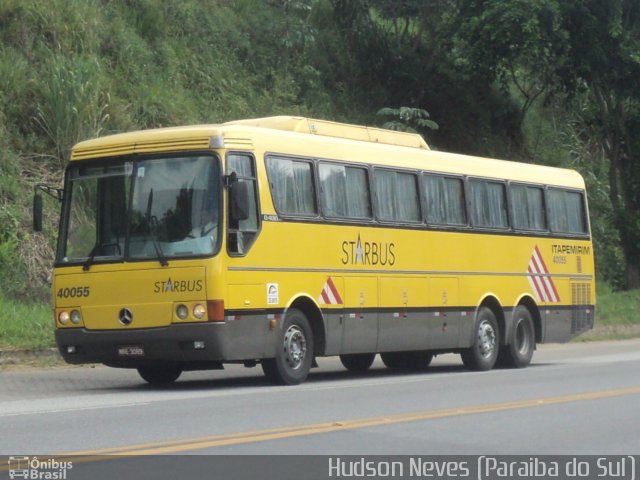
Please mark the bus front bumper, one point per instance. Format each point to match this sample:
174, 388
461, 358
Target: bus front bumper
194, 346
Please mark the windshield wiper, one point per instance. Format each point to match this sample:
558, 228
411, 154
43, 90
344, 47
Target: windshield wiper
156, 245
151, 223
92, 254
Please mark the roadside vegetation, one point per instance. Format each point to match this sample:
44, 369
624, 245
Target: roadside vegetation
25, 325
616, 315
547, 82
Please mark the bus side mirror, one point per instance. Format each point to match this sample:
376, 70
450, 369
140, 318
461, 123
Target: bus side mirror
239, 201
37, 212
37, 202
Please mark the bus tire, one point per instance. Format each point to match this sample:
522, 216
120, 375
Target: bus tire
483, 353
519, 351
415, 360
159, 375
294, 355
357, 362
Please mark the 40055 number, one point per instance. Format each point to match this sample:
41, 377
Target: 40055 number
73, 292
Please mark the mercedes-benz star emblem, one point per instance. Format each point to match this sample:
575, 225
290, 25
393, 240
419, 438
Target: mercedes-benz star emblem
125, 316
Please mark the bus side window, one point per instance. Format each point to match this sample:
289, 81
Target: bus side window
292, 186
345, 191
396, 198
527, 207
488, 204
242, 233
566, 212
444, 199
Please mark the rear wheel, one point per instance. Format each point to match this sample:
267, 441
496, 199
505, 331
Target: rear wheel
358, 362
519, 352
160, 374
295, 351
482, 355
416, 360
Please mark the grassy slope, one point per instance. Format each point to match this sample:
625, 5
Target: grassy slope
77, 69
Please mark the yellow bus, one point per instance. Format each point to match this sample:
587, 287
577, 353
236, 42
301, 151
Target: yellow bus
274, 241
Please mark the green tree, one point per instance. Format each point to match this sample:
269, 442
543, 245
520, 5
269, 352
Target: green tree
407, 119
403, 52
604, 61
517, 42
589, 48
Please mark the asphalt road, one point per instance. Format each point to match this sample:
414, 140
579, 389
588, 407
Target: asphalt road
574, 399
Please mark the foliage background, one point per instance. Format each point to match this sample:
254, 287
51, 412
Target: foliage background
75, 69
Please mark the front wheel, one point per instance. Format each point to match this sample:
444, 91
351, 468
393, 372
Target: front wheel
482, 355
159, 375
294, 355
519, 352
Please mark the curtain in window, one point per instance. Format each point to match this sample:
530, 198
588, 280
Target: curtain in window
358, 202
291, 185
528, 207
385, 199
445, 200
488, 207
345, 191
407, 204
566, 212
575, 212
333, 190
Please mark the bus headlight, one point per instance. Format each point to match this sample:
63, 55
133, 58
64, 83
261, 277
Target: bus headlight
63, 317
75, 317
182, 312
199, 311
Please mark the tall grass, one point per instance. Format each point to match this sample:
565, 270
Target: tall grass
616, 315
617, 308
74, 106
28, 326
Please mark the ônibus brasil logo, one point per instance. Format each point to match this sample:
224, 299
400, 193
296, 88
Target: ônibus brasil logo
38, 469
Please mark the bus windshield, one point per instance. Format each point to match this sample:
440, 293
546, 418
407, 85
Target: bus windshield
141, 209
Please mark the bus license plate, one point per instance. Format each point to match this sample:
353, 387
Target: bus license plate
131, 351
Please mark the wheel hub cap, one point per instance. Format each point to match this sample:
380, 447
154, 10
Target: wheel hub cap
487, 339
295, 346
